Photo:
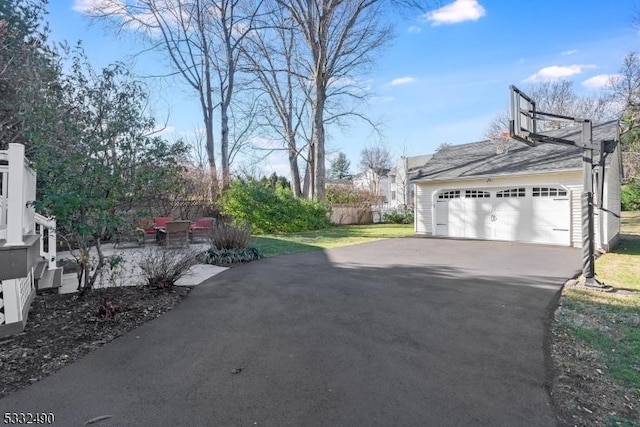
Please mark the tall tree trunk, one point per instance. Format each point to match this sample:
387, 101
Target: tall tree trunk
318, 140
213, 171
206, 102
307, 189
293, 166
224, 143
226, 93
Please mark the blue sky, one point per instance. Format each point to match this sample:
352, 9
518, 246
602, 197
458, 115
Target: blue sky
442, 79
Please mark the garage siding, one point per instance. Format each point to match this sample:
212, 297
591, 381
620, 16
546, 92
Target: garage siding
572, 181
612, 200
424, 211
576, 214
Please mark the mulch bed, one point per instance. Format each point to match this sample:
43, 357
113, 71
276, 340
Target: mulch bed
63, 328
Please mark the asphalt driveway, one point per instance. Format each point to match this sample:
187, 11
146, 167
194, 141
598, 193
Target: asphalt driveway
397, 332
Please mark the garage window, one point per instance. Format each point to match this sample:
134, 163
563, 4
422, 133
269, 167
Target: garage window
511, 192
548, 192
453, 194
476, 194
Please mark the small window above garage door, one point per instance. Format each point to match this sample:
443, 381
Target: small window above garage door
452, 194
548, 192
476, 194
512, 192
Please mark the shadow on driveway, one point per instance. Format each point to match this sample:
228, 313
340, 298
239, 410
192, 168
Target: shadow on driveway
396, 332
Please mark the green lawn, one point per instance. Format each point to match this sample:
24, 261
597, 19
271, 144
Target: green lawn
608, 324
272, 245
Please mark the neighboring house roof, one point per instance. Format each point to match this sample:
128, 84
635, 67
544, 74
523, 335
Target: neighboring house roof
480, 158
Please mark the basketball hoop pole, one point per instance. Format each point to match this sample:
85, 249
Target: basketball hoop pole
588, 223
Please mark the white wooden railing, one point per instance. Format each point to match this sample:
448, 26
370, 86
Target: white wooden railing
17, 219
4, 189
46, 227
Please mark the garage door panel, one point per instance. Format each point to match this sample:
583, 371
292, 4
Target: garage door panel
478, 218
552, 220
457, 217
536, 215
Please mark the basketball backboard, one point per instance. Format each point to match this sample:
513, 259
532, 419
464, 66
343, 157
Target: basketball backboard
522, 120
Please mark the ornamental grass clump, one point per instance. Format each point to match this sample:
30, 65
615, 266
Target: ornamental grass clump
230, 244
229, 236
163, 267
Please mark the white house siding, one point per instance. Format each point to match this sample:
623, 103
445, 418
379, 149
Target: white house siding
576, 212
423, 209
612, 199
571, 180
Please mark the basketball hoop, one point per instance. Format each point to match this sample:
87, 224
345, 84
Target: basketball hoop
522, 127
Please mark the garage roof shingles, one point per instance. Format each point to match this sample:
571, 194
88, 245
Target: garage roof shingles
480, 158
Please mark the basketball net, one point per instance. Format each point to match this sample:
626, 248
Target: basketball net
502, 142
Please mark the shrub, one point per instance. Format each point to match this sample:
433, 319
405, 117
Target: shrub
230, 256
271, 209
346, 195
163, 267
229, 236
630, 197
398, 217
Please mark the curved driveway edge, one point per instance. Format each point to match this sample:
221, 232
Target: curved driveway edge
401, 332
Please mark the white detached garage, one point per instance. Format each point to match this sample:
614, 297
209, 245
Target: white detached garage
527, 194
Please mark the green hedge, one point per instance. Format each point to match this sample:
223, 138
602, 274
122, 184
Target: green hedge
631, 196
272, 210
398, 217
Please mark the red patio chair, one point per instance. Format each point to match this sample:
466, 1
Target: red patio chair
201, 227
148, 227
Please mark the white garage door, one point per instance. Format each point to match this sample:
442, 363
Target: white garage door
524, 214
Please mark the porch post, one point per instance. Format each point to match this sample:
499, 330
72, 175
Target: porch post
15, 198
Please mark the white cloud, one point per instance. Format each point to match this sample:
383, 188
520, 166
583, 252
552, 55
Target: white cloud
414, 30
600, 81
105, 6
570, 52
556, 72
456, 12
402, 81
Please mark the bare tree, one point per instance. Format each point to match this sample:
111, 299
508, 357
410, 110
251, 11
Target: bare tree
272, 54
341, 38
626, 93
202, 42
375, 160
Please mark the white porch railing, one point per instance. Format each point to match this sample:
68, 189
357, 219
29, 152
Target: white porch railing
46, 227
4, 189
15, 295
18, 189
17, 219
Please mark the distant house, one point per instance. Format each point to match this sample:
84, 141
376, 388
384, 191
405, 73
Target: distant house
392, 185
401, 191
524, 194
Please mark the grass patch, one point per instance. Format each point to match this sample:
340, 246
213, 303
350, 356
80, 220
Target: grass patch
333, 237
630, 223
608, 325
